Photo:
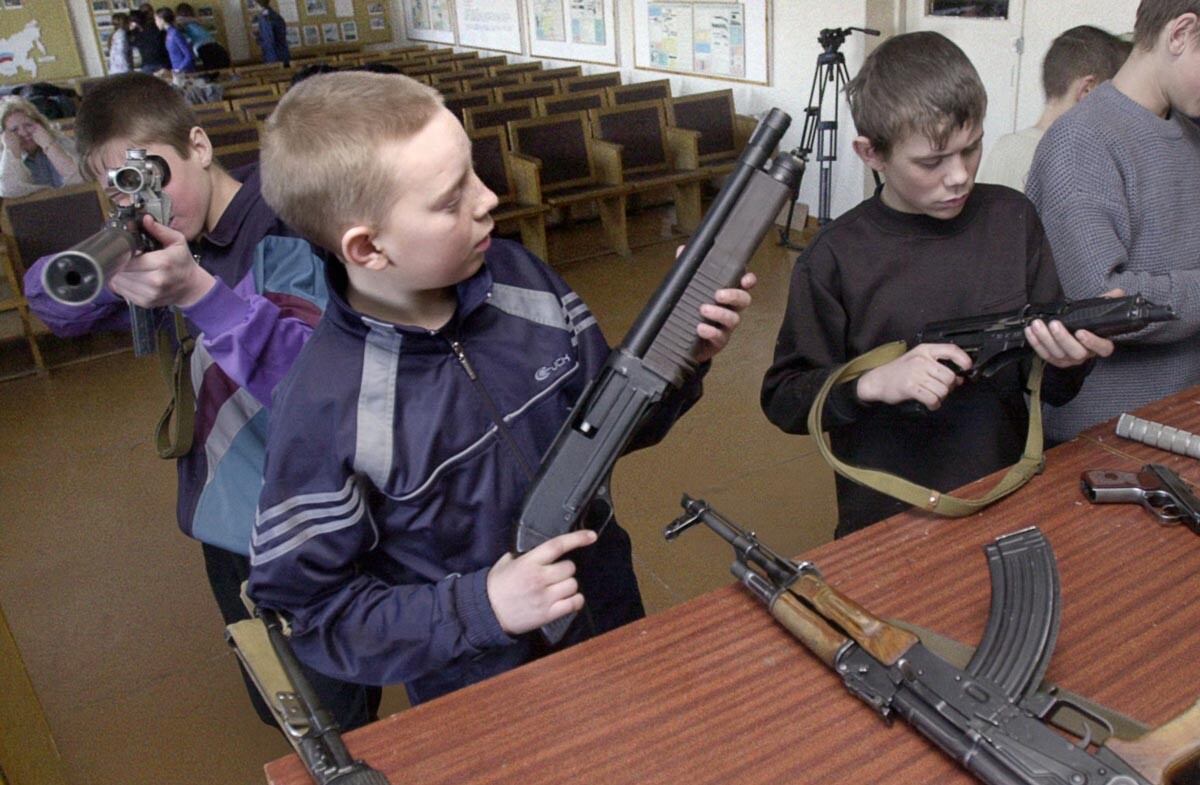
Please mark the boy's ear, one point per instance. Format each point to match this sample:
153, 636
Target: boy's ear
869, 155
1181, 31
1082, 86
200, 146
359, 249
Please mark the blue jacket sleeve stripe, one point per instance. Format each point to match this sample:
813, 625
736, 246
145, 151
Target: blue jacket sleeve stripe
358, 511
347, 492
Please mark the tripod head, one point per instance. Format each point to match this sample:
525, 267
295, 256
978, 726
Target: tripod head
833, 37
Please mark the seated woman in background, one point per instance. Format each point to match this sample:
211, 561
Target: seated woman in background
35, 156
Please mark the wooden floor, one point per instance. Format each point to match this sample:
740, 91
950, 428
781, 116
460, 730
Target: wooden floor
108, 601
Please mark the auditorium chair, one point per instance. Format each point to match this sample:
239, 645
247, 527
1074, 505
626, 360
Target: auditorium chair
657, 90
491, 158
714, 135
571, 102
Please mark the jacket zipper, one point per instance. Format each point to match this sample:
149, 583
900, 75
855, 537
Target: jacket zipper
505, 435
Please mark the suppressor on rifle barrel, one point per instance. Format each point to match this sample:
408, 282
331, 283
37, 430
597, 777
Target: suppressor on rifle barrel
1164, 437
78, 275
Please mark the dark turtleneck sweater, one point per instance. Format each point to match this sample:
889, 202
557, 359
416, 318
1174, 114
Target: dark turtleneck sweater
877, 275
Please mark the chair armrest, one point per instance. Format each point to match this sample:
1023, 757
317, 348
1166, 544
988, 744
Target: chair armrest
685, 147
607, 158
526, 175
743, 127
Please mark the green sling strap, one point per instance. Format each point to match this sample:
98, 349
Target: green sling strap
173, 434
935, 501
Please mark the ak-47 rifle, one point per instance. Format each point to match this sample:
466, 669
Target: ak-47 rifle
990, 716
659, 352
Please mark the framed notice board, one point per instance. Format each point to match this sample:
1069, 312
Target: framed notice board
37, 43
431, 21
313, 25
489, 24
707, 38
581, 30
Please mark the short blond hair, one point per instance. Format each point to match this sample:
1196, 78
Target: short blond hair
320, 164
915, 83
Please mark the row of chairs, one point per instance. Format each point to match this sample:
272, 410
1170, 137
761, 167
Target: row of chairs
606, 156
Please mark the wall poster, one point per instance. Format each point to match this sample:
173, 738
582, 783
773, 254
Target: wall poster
724, 40
431, 21
489, 24
582, 30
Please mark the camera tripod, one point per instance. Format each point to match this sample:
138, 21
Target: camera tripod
831, 69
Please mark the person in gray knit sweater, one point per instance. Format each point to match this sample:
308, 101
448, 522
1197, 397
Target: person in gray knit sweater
1116, 181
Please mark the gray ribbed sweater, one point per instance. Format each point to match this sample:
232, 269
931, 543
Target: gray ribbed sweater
1118, 190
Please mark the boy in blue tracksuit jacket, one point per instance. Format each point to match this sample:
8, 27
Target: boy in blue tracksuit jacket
415, 418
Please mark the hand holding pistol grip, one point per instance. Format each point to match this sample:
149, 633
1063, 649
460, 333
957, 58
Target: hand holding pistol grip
659, 352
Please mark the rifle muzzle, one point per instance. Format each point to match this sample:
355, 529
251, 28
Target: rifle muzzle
76, 276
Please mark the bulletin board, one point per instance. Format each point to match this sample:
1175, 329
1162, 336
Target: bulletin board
208, 15
580, 30
489, 24
37, 43
706, 38
313, 25
431, 21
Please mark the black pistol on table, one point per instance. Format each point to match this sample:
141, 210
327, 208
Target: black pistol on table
1158, 488
659, 352
994, 340
990, 716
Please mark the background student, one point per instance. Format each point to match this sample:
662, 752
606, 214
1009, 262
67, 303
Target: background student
1115, 182
1078, 61
250, 292
929, 245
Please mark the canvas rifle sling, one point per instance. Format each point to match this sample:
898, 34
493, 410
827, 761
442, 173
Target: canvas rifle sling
173, 434
935, 501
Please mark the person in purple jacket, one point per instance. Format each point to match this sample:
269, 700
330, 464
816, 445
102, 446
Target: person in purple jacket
415, 419
183, 61
250, 292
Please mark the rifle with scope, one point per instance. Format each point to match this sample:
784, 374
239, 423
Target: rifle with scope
77, 275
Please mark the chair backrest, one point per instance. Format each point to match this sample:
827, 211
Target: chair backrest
256, 114
489, 155
245, 105
641, 130
712, 115
657, 90
35, 225
493, 81
232, 93
235, 156
593, 82
555, 74
487, 62
215, 120
571, 102
476, 117
216, 107
421, 69
233, 134
457, 102
515, 68
518, 91
563, 145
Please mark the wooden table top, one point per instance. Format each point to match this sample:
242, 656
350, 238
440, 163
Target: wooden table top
714, 691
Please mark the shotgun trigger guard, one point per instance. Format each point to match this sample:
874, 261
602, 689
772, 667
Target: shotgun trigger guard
1023, 620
